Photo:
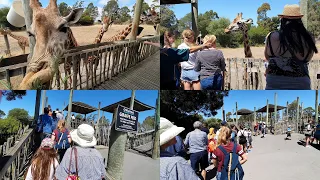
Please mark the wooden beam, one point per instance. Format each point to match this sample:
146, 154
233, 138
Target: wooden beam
194, 15
136, 19
28, 19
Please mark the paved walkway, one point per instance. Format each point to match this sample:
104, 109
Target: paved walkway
136, 166
144, 75
273, 158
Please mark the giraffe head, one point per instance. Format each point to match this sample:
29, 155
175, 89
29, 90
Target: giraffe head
51, 32
238, 24
106, 23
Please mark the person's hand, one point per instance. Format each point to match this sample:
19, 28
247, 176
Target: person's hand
207, 45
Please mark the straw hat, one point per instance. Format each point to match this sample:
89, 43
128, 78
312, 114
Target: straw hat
291, 12
84, 136
168, 131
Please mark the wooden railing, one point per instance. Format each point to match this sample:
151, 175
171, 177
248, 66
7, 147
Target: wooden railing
112, 58
248, 74
13, 160
139, 139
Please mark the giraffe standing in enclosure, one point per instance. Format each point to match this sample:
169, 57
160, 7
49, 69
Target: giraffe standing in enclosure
239, 24
106, 23
22, 41
7, 51
54, 37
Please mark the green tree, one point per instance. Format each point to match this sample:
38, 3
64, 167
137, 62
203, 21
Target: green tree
262, 14
64, 9
309, 111
124, 14
92, 11
145, 7
228, 116
78, 4
257, 35
205, 19
148, 123
13, 95
9, 125
214, 123
79, 116
20, 114
111, 9
168, 19
185, 107
185, 22
314, 17
2, 113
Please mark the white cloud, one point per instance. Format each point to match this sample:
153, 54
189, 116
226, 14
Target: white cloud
5, 2
100, 13
103, 2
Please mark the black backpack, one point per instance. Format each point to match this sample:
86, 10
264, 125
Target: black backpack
242, 139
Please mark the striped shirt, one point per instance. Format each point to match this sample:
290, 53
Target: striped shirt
90, 164
197, 141
175, 168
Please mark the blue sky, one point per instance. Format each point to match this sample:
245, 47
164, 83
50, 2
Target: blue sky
230, 8
57, 98
98, 3
258, 99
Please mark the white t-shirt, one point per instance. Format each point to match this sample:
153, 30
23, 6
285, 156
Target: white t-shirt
192, 58
56, 164
245, 133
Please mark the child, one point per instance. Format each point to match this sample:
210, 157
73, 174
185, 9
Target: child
288, 133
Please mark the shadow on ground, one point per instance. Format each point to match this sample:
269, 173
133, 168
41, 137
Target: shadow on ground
211, 174
303, 143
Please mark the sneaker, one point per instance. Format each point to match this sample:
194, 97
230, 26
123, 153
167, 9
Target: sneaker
308, 146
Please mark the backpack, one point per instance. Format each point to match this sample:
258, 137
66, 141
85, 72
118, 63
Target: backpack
242, 138
211, 145
231, 169
63, 142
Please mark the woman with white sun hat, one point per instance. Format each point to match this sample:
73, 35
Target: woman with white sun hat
85, 160
288, 52
172, 167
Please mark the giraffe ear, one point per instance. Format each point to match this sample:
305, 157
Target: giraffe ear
74, 16
99, 21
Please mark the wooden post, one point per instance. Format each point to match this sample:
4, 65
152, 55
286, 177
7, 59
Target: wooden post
304, 11
287, 111
194, 16
233, 116
237, 114
117, 148
156, 142
69, 108
99, 112
254, 117
136, 19
316, 106
267, 113
37, 107
297, 115
222, 112
43, 104
28, 19
275, 110
301, 119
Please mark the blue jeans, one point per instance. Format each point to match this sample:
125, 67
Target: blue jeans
199, 158
218, 176
212, 83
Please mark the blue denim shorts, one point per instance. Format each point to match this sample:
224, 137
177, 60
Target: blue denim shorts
189, 75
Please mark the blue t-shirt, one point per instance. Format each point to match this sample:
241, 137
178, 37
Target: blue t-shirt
289, 129
47, 123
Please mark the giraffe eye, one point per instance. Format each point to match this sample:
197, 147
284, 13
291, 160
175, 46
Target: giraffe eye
30, 34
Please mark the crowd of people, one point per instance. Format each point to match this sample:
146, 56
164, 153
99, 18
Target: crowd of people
203, 147
65, 154
194, 66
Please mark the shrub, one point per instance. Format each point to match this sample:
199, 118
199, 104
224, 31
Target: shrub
86, 20
257, 35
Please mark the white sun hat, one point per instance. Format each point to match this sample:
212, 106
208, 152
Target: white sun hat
168, 131
84, 136
291, 12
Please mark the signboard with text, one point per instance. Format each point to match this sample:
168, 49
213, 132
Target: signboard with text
127, 119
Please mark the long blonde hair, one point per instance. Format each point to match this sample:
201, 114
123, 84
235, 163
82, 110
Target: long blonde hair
224, 135
61, 125
188, 33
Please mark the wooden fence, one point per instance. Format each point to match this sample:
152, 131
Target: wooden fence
16, 154
248, 74
139, 139
111, 59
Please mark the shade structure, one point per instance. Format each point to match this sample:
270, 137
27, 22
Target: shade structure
138, 106
243, 112
271, 108
81, 108
174, 1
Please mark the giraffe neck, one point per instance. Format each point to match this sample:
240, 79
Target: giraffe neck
72, 42
121, 35
99, 36
247, 50
15, 36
